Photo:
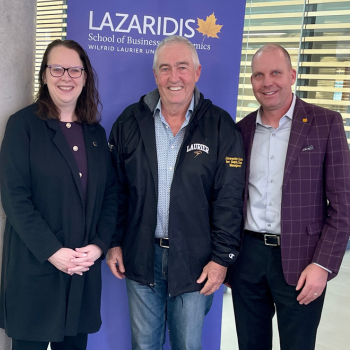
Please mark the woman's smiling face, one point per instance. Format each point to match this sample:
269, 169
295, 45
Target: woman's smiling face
64, 91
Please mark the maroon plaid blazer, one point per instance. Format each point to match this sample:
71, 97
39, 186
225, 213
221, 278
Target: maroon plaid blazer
317, 169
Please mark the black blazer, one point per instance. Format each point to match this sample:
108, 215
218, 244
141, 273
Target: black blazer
42, 198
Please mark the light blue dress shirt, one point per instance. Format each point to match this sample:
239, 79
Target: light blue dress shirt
168, 147
267, 160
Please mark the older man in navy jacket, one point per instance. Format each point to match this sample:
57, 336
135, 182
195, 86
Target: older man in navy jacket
180, 168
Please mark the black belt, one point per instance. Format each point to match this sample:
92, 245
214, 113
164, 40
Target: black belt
163, 242
267, 238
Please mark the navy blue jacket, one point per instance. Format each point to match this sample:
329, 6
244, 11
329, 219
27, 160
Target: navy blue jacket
206, 197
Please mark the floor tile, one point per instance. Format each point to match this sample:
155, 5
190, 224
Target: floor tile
338, 289
343, 276
346, 259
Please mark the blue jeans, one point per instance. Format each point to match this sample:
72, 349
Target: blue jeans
150, 308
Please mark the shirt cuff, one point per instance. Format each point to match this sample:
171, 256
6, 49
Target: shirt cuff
323, 267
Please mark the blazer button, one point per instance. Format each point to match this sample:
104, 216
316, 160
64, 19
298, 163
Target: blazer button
75, 148
68, 125
80, 174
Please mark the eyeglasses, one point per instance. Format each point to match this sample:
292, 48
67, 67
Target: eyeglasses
58, 71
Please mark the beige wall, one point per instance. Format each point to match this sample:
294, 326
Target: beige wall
17, 48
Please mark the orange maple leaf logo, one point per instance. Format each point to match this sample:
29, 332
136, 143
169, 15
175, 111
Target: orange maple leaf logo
209, 27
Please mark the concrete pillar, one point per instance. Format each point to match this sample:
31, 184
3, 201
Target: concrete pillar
17, 52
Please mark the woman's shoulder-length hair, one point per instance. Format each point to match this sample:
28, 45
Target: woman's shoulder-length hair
88, 107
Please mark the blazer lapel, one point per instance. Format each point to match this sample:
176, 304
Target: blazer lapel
61, 143
302, 119
148, 135
93, 159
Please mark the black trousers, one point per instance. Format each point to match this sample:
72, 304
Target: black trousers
258, 289
78, 342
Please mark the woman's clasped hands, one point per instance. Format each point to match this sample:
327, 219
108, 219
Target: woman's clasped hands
75, 261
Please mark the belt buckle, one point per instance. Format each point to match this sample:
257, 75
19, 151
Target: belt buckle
161, 242
272, 244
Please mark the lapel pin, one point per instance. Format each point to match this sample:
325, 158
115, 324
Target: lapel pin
94, 143
305, 120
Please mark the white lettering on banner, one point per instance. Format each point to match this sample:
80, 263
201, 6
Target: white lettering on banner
190, 28
107, 21
202, 46
128, 40
148, 25
125, 16
136, 25
99, 37
101, 48
90, 22
166, 25
159, 25
142, 41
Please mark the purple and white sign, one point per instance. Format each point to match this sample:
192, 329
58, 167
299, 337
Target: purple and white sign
120, 38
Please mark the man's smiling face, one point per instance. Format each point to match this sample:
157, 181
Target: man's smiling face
176, 75
272, 78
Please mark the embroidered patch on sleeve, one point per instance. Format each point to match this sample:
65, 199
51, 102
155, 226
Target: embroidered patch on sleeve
234, 162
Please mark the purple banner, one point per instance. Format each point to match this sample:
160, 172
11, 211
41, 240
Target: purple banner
120, 38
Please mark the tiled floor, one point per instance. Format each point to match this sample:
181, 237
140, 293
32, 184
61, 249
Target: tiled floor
334, 329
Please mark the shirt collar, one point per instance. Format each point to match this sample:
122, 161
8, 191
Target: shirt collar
189, 112
289, 113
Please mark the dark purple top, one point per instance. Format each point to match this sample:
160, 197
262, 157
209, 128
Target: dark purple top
74, 134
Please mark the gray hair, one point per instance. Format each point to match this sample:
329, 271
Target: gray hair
176, 39
273, 47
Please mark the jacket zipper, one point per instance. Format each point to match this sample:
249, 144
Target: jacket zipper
194, 117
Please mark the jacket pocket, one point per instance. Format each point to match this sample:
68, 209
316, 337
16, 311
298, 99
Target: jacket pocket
314, 228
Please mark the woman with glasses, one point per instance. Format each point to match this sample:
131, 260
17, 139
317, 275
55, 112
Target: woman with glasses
58, 192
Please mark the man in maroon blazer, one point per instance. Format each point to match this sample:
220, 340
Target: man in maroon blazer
296, 208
